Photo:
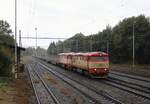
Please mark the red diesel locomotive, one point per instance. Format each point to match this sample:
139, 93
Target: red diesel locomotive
96, 64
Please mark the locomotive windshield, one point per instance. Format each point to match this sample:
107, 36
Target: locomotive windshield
99, 58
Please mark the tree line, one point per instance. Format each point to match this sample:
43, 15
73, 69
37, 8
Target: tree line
117, 41
31, 51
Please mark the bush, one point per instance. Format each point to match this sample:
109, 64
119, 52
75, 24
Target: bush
6, 60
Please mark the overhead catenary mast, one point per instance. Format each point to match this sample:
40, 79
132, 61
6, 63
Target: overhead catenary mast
16, 63
133, 53
36, 38
20, 44
36, 42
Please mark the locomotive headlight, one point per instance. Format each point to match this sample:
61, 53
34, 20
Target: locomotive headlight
94, 69
105, 69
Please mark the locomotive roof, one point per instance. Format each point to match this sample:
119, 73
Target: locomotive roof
70, 53
99, 53
95, 54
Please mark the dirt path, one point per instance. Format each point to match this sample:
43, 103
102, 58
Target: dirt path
18, 91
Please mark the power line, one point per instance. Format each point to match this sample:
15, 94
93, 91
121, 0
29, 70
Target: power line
41, 38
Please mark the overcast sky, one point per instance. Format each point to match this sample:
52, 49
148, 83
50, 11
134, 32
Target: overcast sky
64, 18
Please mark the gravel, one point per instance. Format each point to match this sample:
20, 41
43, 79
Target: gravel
121, 95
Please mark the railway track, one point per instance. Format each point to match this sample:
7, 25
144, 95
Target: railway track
43, 94
130, 84
99, 96
137, 89
128, 88
131, 76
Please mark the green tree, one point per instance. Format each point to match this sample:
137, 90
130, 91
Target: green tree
29, 51
52, 49
119, 38
122, 39
5, 28
6, 54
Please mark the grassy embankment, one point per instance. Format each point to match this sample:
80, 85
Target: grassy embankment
4, 84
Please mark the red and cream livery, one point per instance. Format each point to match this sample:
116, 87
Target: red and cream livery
95, 63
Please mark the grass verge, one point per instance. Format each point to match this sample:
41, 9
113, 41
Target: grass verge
4, 83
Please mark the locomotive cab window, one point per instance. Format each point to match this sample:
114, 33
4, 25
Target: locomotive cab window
99, 58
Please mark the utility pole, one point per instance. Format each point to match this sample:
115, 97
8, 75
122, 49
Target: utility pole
16, 63
84, 45
63, 48
107, 47
76, 45
20, 44
36, 42
91, 43
133, 64
36, 38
